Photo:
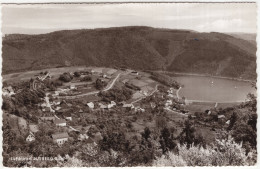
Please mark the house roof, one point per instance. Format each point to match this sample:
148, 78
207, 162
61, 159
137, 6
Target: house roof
80, 111
125, 80
102, 106
58, 121
60, 135
90, 104
221, 116
128, 105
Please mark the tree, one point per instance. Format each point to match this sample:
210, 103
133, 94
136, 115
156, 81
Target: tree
166, 140
86, 79
233, 119
146, 133
76, 74
66, 77
160, 122
100, 84
187, 136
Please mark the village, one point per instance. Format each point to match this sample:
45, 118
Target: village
84, 105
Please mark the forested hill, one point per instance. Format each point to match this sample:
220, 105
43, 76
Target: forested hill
135, 47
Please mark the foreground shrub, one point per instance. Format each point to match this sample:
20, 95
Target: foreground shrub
223, 153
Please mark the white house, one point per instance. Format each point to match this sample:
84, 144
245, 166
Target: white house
221, 116
60, 122
139, 109
131, 106
73, 87
102, 106
91, 105
8, 91
228, 122
60, 138
168, 103
58, 108
68, 117
112, 104
135, 73
30, 137
82, 136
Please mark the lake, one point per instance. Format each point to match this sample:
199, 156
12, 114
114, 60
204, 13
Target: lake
213, 89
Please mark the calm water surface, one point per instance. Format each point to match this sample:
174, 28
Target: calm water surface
214, 89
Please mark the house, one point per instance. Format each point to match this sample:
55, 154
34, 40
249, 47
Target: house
209, 112
8, 91
80, 111
102, 106
228, 122
168, 103
30, 137
221, 116
91, 105
67, 116
58, 108
57, 103
144, 92
33, 128
60, 122
170, 91
104, 75
83, 136
47, 118
128, 106
73, 87
139, 109
112, 104
153, 105
43, 105
60, 138
135, 73
125, 80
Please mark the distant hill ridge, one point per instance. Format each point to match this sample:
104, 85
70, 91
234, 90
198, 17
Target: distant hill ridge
141, 48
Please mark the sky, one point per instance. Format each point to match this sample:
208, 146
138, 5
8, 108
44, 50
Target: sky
201, 17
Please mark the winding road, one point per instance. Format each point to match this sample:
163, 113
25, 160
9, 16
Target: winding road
108, 87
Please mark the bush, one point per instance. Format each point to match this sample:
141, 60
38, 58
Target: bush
223, 153
86, 79
66, 77
76, 74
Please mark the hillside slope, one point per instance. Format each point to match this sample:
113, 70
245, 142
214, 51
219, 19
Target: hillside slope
134, 47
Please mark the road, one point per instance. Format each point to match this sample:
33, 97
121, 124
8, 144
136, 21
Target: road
94, 92
112, 84
177, 93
